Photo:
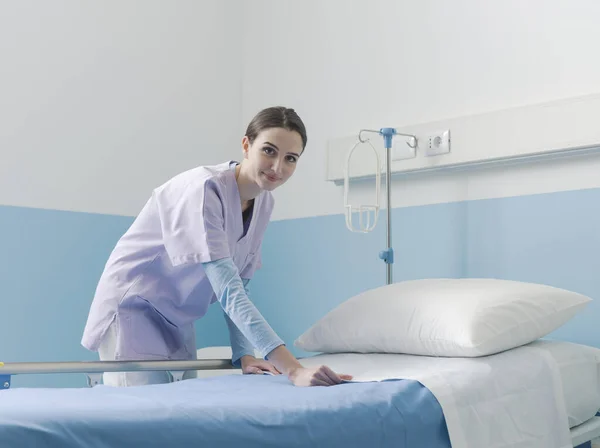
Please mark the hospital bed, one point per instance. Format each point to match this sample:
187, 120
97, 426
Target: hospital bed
222, 408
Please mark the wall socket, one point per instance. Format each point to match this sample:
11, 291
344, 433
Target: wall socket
437, 143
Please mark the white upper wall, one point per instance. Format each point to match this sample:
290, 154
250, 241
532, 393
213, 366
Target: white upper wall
102, 101
347, 65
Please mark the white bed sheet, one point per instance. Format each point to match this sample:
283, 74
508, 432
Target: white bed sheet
579, 367
517, 398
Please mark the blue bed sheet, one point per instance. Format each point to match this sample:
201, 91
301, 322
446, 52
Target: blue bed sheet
242, 411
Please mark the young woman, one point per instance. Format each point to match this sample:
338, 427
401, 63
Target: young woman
197, 241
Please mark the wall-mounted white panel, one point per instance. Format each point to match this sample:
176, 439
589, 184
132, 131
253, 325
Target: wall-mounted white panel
536, 130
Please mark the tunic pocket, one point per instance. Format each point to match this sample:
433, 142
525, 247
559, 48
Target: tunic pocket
148, 332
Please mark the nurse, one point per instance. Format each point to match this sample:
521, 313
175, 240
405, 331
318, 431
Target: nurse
197, 241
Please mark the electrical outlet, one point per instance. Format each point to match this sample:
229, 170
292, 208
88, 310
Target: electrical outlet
437, 143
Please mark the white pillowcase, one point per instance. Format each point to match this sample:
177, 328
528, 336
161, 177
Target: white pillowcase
443, 317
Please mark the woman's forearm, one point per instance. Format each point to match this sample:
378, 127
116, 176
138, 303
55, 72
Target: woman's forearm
284, 361
233, 297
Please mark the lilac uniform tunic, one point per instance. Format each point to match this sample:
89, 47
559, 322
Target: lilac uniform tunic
154, 286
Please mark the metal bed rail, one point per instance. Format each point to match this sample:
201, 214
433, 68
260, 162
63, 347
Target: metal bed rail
94, 369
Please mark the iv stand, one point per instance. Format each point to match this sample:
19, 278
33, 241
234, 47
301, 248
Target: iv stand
387, 255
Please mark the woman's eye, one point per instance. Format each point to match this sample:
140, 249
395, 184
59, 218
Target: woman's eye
268, 150
291, 159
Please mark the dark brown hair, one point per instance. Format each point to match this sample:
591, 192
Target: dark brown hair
276, 117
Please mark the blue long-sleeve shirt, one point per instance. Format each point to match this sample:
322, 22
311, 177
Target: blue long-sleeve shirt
248, 329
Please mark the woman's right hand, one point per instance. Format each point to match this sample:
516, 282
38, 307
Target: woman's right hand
316, 376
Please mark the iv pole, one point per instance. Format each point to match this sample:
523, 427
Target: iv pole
387, 255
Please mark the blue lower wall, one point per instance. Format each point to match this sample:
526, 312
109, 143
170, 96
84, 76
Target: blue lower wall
50, 262
311, 265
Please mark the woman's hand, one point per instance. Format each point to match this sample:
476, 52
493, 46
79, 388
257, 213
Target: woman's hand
251, 365
299, 375
317, 376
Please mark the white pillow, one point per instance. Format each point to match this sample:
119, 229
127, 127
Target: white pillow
443, 317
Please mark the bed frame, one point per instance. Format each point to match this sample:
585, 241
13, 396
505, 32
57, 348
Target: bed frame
94, 369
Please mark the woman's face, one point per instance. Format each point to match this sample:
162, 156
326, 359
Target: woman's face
272, 157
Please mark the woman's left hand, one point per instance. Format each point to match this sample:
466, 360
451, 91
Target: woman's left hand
251, 365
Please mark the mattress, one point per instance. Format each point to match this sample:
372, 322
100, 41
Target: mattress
585, 432
250, 410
